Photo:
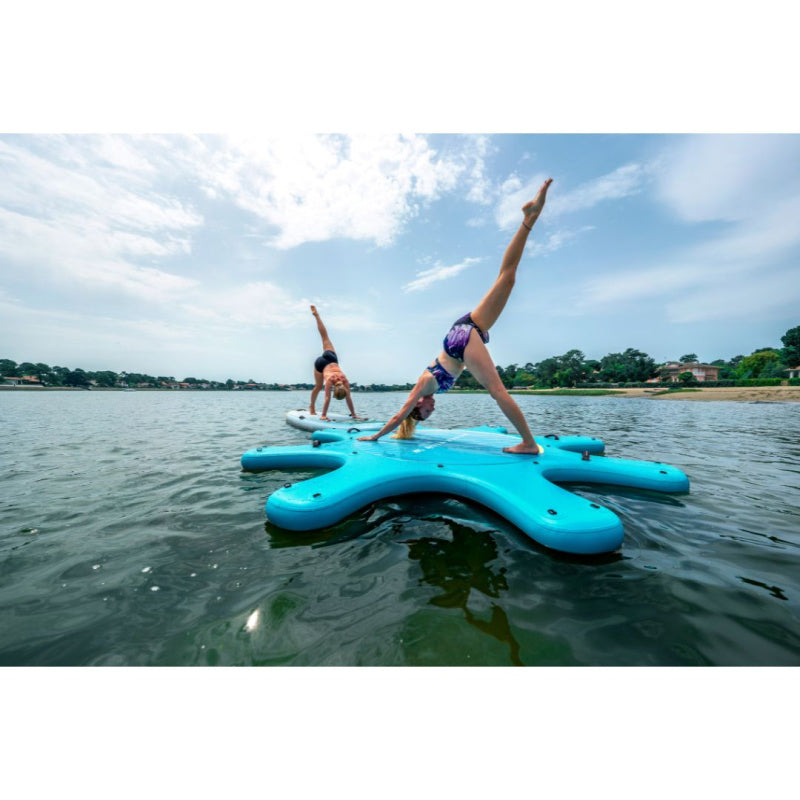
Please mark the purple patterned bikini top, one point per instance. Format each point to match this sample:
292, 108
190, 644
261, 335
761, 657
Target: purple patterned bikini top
443, 377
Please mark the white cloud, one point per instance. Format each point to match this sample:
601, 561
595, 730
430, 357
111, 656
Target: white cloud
68, 250
634, 285
622, 182
73, 185
728, 275
74, 215
728, 177
751, 298
556, 240
259, 304
316, 188
437, 273
480, 185
750, 185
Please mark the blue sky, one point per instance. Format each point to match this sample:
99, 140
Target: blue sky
200, 254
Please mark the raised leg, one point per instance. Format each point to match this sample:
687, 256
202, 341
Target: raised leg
327, 344
494, 301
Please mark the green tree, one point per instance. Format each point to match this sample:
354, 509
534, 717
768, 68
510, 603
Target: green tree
58, 374
104, 378
757, 364
76, 378
632, 366
725, 372
524, 378
546, 372
43, 373
687, 378
591, 366
26, 368
135, 378
689, 358
8, 368
468, 381
510, 375
790, 355
571, 368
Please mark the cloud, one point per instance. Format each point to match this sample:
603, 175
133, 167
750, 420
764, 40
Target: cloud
258, 304
70, 213
750, 187
736, 272
480, 186
317, 188
267, 305
727, 177
437, 273
746, 299
622, 182
556, 240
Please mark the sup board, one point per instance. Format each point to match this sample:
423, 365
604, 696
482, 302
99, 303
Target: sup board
301, 419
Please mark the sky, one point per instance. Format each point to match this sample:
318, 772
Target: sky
199, 255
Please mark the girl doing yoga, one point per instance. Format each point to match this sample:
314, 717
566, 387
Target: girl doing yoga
464, 347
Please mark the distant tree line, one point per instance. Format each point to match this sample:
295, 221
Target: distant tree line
64, 376
634, 366
570, 369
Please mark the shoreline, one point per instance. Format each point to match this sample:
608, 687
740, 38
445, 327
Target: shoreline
738, 394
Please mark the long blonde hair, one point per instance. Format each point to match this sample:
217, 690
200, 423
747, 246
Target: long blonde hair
406, 429
339, 391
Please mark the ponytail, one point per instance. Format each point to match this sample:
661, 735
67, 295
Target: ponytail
406, 429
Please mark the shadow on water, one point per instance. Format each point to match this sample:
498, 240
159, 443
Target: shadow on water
460, 566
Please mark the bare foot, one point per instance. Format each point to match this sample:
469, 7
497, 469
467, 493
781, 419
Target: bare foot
534, 208
525, 449
314, 310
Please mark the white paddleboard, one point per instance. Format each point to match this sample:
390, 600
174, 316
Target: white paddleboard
301, 418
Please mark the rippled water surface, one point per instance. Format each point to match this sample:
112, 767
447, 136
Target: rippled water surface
129, 535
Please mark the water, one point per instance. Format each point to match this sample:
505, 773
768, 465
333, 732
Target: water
130, 536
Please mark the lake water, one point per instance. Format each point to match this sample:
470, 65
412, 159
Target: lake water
131, 536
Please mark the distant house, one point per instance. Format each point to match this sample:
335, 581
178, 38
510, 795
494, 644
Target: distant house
24, 380
701, 372
794, 372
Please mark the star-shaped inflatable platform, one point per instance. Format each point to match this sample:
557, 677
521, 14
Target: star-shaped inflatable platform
467, 464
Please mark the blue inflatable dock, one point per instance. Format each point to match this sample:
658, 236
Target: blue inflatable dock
467, 464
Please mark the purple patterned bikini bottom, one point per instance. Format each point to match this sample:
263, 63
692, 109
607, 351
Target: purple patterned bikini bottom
457, 337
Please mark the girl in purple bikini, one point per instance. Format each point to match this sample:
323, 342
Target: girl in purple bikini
465, 347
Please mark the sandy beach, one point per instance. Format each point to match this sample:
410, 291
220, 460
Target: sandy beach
742, 394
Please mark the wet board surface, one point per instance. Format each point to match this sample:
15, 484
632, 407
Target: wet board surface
301, 419
465, 463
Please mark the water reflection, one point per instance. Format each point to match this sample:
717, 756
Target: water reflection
775, 591
457, 567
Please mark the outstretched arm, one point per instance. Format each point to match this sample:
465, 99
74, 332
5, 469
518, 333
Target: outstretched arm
327, 402
411, 401
349, 400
